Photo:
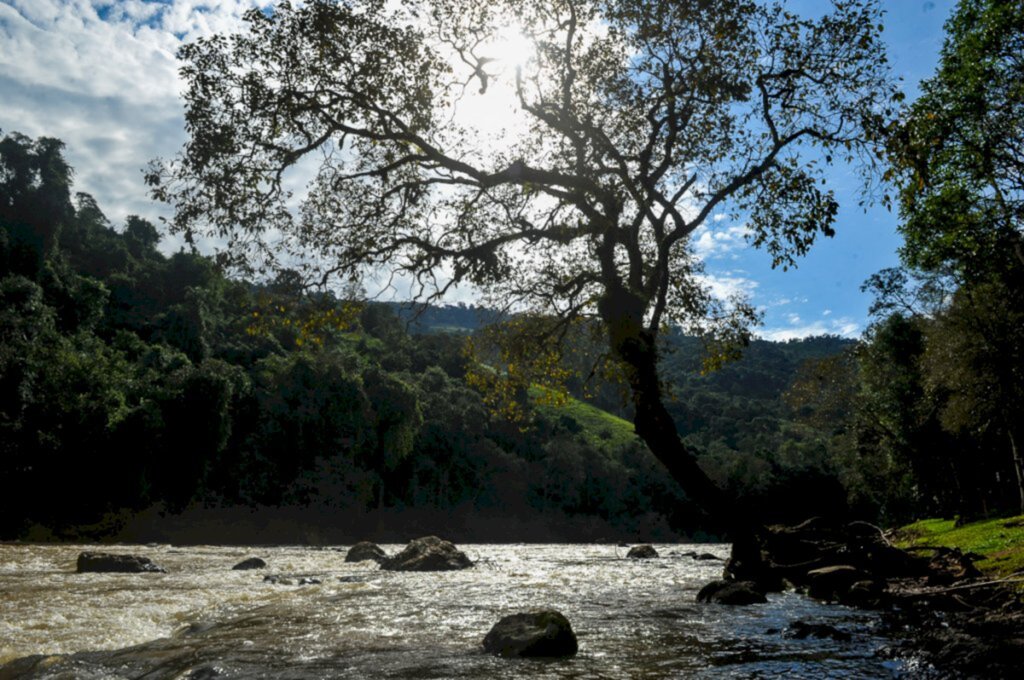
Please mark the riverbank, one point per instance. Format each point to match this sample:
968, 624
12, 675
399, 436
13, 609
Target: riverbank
970, 624
946, 617
317, 526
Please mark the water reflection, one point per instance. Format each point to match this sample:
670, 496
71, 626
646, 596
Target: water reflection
634, 618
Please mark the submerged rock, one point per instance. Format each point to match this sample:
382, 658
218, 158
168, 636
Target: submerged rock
251, 563
291, 580
802, 630
540, 633
352, 579
108, 562
642, 552
706, 556
365, 550
279, 580
429, 553
731, 592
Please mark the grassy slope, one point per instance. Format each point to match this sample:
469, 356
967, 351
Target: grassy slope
601, 429
1001, 541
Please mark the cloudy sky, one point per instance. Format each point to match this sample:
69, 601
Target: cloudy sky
101, 75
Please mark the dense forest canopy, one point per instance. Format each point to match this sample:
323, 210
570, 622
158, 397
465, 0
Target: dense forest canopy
132, 379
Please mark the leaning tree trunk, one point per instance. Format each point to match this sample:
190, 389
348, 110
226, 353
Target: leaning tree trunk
636, 347
1018, 466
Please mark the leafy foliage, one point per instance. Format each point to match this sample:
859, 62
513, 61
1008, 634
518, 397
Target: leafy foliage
143, 379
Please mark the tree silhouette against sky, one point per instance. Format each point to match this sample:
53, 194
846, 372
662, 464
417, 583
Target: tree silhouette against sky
556, 156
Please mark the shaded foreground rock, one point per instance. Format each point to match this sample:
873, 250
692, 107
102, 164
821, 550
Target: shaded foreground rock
833, 583
429, 553
731, 592
801, 630
974, 644
365, 550
251, 563
108, 562
541, 633
642, 552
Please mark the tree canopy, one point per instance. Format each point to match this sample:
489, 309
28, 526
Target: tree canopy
632, 124
959, 154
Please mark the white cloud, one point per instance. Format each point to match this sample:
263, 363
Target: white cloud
717, 243
107, 87
728, 285
843, 326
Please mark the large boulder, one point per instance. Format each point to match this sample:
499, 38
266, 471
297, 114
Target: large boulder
833, 583
108, 562
731, 592
251, 563
429, 553
642, 552
543, 632
365, 550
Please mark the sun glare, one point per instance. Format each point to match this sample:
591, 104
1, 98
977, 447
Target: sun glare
510, 49
489, 102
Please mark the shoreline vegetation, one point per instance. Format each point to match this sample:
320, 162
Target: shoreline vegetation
968, 625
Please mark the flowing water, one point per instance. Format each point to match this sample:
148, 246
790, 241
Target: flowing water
634, 618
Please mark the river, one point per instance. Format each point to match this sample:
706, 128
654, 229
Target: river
202, 620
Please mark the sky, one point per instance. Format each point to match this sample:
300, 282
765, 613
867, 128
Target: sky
101, 75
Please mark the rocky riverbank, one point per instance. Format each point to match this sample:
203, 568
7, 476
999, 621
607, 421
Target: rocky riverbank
937, 605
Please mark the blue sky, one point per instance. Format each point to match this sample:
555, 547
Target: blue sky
101, 75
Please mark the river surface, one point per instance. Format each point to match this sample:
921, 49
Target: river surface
634, 618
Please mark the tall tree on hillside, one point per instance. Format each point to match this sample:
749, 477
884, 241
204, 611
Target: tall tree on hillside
625, 125
959, 155
959, 158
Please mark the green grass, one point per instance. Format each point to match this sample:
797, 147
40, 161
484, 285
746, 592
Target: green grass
1001, 541
601, 429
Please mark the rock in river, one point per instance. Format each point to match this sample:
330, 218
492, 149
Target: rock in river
537, 633
107, 562
731, 592
642, 552
251, 563
832, 583
429, 553
802, 630
365, 550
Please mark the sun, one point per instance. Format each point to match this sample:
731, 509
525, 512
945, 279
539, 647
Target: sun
510, 48
489, 100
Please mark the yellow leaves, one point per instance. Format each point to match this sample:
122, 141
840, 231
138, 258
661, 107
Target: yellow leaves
509, 362
307, 324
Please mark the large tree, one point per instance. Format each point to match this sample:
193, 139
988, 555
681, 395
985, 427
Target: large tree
625, 125
959, 153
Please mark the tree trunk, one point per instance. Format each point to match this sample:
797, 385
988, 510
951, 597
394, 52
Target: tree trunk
1018, 467
636, 348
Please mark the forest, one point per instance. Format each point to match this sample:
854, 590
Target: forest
133, 379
